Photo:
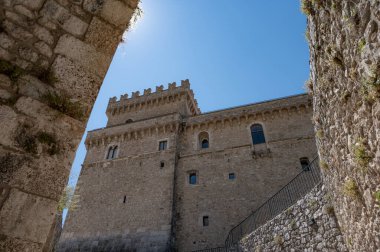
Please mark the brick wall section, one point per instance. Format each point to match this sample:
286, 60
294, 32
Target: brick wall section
345, 73
295, 230
53, 58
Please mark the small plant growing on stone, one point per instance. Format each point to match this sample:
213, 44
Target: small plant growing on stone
50, 140
370, 88
69, 200
361, 155
307, 7
345, 96
329, 210
293, 224
377, 197
278, 240
12, 71
361, 45
320, 134
351, 189
25, 138
324, 165
62, 103
46, 75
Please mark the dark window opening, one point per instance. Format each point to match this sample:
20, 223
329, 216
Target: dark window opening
231, 176
162, 145
129, 121
204, 144
114, 152
257, 133
109, 153
125, 199
205, 221
305, 163
192, 178
162, 164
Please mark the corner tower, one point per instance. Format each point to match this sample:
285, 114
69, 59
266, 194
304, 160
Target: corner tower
127, 180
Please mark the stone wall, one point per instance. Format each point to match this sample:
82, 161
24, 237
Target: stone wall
53, 58
308, 225
345, 82
260, 170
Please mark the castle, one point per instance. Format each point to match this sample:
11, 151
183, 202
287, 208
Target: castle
162, 175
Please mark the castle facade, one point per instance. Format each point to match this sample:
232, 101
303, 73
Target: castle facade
163, 176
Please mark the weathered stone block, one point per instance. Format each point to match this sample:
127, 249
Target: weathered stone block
28, 216
6, 41
116, 12
77, 81
24, 11
31, 4
16, 31
5, 81
75, 26
103, 36
43, 34
83, 54
28, 54
9, 122
43, 48
10, 244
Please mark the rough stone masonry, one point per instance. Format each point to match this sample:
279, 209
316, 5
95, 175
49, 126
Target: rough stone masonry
345, 83
53, 57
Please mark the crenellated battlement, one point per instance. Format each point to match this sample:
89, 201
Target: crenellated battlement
138, 102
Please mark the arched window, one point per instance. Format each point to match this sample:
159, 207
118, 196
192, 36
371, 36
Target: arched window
203, 140
110, 152
114, 152
192, 178
257, 133
204, 144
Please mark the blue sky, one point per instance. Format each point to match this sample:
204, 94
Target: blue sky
233, 53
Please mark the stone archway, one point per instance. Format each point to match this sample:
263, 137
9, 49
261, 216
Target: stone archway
54, 55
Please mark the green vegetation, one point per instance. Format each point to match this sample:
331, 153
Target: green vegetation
320, 134
69, 200
307, 7
46, 75
361, 45
377, 196
62, 103
361, 155
25, 139
50, 140
278, 240
351, 189
370, 88
292, 224
12, 71
324, 165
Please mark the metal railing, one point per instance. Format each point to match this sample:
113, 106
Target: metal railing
283, 199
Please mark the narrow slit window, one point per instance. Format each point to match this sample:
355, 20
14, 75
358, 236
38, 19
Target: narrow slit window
231, 176
125, 199
257, 133
162, 145
305, 163
109, 153
192, 178
205, 221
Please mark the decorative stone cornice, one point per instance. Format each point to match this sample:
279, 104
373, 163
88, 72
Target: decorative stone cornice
133, 131
158, 98
261, 111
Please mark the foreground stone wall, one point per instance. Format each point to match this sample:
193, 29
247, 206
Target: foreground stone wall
53, 58
309, 224
345, 83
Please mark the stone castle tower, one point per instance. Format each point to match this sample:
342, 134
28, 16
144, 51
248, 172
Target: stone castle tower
164, 176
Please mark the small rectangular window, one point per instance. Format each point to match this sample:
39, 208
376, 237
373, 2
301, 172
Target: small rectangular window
162, 145
305, 163
231, 176
192, 178
162, 164
205, 221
